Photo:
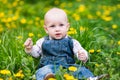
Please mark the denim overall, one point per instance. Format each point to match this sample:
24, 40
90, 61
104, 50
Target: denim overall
56, 53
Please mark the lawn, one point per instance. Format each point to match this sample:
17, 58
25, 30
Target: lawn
94, 23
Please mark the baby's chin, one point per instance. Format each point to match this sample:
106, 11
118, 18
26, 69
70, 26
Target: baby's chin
58, 37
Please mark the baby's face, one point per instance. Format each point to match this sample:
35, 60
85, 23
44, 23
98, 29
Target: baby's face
56, 26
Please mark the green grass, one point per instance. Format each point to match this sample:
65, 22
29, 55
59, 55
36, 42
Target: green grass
100, 33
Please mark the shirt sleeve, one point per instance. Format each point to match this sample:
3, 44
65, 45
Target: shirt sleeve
77, 46
37, 48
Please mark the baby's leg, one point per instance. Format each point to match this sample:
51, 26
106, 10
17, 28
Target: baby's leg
83, 72
42, 72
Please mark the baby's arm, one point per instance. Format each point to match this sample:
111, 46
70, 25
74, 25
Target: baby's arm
79, 51
34, 50
82, 55
28, 45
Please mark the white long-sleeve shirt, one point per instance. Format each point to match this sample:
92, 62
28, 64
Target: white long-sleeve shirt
37, 48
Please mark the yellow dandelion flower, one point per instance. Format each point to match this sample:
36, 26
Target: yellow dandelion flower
90, 16
4, 1
9, 19
118, 53
76, 16
8, 25
69, 32
81, 8
30, 34
2, 14
66, 75
39, 35
114, 26
72, 68
19, 74
20, 71
75, 79
14, 4
70, 77
72, 31
107, 18
98, 13
82, 28
37, 18
97, 65
75, 32
10, 78
23, 21
98, 50
5, 72
91, 51
106, 12
51, 79
118, 42
19, 37
15, 17
1, 79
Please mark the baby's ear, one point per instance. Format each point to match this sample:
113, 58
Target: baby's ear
45, 28
68, 25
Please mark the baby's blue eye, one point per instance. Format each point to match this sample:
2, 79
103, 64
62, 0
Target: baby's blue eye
61, 24
52, 26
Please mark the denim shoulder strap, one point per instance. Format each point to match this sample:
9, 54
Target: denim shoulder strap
46, 38
71, 44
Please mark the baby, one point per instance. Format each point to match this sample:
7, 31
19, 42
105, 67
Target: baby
57, 49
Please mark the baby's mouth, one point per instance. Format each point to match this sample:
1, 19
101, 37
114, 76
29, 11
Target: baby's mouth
58, 34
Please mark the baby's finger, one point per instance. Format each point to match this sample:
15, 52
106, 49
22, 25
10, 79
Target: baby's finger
28, 47
28, 42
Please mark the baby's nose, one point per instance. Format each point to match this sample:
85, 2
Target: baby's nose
57, 28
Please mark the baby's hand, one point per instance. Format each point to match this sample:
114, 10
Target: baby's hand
28, 45
82, 56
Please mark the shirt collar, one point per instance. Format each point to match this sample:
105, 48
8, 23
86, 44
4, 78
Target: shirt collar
50, 38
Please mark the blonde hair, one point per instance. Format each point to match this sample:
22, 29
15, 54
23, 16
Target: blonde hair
55, 11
